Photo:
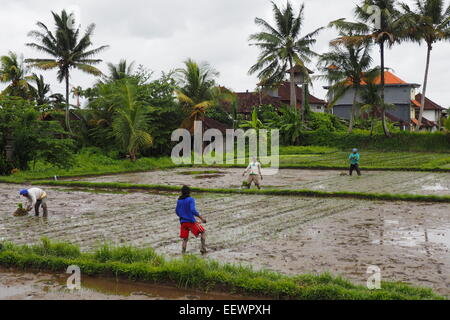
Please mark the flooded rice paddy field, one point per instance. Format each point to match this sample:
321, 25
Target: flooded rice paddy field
426, 183
410, 242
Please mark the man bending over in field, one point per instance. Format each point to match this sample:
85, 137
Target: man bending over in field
187, 213
36, 197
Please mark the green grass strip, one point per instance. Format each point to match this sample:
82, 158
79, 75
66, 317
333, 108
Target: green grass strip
193, 272
273, 192
334, 167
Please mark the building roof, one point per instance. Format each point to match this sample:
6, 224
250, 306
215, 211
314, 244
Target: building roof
210, 123
415, 103
425, 123
298, 69
390, 79
284, 92
248, 100
429, 104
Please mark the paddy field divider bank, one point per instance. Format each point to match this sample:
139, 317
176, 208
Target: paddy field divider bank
272, 192
197, 273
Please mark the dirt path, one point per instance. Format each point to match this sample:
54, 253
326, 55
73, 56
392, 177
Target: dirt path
409, 242
323, 180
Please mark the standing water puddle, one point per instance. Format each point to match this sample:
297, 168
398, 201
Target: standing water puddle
26, 285
395, 235
436, 187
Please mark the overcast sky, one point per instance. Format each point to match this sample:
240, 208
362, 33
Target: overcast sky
161, 34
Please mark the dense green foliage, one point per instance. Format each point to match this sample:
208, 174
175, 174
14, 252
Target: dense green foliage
193, 272
29, 138
90, 161
400, 141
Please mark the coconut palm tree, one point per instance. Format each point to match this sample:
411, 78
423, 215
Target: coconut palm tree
42, 89
429, 22
67, 48
119, 71
282, 47
391, 30
370, 100
77, 92
196, 91
15, 72
344, 67
130, 124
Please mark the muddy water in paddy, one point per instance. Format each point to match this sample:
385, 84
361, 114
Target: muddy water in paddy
17, 285
321, 180
410, 242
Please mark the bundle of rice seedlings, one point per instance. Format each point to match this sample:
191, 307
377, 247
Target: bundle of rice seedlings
20, 212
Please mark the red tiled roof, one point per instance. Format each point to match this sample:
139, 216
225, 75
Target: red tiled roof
429, 105
248, 100
389, 79
214, 124
416, 103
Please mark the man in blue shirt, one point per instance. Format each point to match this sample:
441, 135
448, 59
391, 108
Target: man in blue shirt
187, 213
354, 162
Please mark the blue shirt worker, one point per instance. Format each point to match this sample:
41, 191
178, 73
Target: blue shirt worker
354, 162
188, 215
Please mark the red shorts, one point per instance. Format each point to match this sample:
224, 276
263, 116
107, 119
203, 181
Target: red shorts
196, 228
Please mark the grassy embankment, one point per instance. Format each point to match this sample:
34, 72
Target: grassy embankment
193, 272
290, 157
274, 192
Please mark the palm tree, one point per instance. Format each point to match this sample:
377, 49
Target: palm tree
370, 100
14, 71
42, 89
130, 126
282, 48
197, 91
67, 50
77, 92
120, 71
429, 23
390, 31
344, 67
290, 124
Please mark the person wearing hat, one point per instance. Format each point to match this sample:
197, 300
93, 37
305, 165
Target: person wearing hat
354, 162
36, 197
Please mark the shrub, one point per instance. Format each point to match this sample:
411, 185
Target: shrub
402, 141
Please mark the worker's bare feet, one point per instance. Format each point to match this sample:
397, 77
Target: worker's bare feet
203, 251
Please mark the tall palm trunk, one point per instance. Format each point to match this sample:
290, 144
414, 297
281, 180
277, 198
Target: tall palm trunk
352, 116
425, 83
383, 109
293, 91
67, 103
